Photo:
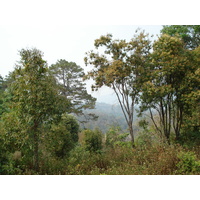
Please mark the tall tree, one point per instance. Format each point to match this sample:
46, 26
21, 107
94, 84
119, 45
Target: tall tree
35, 96
1, 83
170, 72
70, 80
120, 68
5, 93
190, 34
1, 94
191, 98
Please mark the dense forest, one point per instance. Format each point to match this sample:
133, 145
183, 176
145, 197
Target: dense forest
50, 124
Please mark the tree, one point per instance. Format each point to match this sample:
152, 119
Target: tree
1, 94
70, 80
120, 68
1, 83
35, 96
5, 93
190, 34
169, 75
62, 136
191, 98
92, 140
114, 137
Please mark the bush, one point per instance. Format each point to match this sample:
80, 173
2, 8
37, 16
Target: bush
144, 140
12, 143
115, 138
92, 140
62, 136
188, 163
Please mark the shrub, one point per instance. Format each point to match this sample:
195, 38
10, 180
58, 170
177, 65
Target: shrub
144, 140
92, 140
62, 136
82, 161
115, 137
188, 163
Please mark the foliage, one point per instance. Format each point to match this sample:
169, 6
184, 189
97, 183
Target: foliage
15, 150
120, 68
148, 157
70, 80
5, 93
143, 140
190, 34
13, 132
188, 163
3, 154
2, 89
192, 99
61, 137
92, 140
39, 136
123, 160
166, 89
35, 96
115, 138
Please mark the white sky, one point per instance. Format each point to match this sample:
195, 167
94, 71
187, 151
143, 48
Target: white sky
67, 42
67, 29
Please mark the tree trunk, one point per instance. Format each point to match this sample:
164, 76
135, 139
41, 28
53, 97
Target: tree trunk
132, 134
36, 147
168, 138
178, 123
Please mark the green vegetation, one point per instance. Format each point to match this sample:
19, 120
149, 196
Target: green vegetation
44, 111
91, 140
190, 34
69, 78
120, 68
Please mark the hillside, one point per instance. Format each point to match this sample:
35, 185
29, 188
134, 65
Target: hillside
108, 116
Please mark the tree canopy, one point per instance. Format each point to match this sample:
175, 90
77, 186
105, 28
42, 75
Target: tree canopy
189, 33
35, 97
69, 78
120, 68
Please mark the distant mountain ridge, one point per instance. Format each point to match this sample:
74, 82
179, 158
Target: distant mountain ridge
108, 116
109, 108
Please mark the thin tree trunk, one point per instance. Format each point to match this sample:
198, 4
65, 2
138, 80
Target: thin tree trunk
36, 146
179, 123
127, 111
132, 134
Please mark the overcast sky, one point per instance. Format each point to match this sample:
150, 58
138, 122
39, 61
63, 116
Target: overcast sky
67, 42
67, 29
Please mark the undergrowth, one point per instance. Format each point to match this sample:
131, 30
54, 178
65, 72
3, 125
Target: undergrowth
149, 160
146, 158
